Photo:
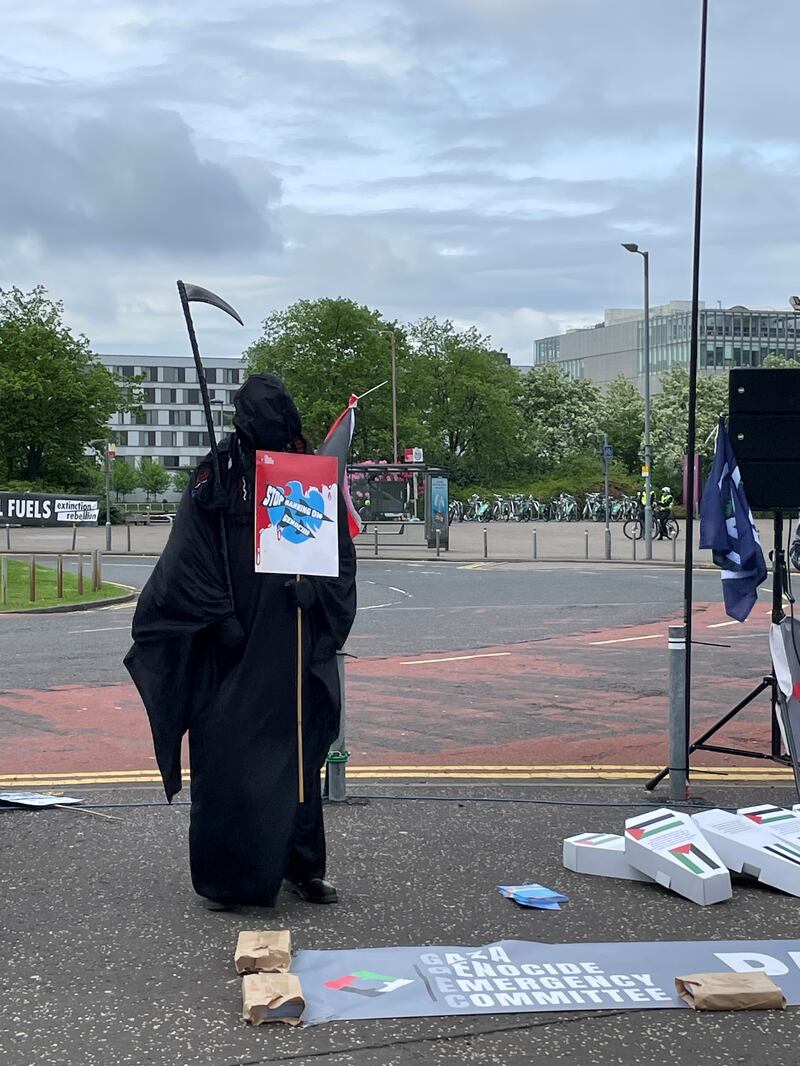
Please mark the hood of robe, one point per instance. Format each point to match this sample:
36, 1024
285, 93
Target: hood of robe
265, 415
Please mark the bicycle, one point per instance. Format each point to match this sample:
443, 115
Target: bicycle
634, 528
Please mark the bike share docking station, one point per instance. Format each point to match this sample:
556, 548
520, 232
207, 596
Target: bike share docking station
764, 429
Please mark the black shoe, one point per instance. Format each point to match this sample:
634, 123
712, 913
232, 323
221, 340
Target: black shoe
317, 890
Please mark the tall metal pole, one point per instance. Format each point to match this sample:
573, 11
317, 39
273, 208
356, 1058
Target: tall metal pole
108, 495
394, 396
692, 433
607, 534
648, 451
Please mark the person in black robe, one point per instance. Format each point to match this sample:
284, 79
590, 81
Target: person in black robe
226, 672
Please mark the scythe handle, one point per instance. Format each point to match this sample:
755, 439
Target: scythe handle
212, 437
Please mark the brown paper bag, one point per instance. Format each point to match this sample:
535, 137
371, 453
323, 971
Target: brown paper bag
263, 951
272, 997
730, 991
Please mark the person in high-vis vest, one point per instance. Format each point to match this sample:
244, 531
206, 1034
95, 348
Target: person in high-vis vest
665, 503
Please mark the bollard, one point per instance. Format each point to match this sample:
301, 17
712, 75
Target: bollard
95, 570
633, 542
375, 531
535, 545
80, 573
678, 771
74, 535
438, 541
8, 537
674, 549
586, 542
32, 581
485, 543
608, 543
60, 576
336, 766
129, 536
4, 580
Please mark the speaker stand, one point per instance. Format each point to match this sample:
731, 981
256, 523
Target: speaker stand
768, 681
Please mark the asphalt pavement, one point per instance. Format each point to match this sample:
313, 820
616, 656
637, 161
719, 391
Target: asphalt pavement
110, 960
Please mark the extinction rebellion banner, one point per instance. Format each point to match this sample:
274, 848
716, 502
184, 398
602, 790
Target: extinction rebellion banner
515, 976
38, 509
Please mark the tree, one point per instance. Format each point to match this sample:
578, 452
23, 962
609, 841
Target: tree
180, 479
153, 478
124, 478
670, 420
465, 395
327, 349
561, 416
622, 417
54, 396
779, 362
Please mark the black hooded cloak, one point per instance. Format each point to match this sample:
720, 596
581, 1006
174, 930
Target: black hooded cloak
227, 674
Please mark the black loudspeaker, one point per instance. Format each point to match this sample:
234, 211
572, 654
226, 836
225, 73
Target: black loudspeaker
764, 427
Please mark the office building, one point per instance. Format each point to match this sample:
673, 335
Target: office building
728, 337
171, 427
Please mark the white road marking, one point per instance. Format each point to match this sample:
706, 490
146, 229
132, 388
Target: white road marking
108, 629
375, 606
401, 591
719, 625
625, 640
456, 658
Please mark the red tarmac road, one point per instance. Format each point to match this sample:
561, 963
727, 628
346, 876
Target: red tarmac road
589, 698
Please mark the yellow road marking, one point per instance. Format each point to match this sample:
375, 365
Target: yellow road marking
575, 771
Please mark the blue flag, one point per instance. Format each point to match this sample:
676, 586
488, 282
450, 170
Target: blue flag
728, 529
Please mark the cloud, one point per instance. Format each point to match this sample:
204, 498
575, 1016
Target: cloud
478, 160
128, 179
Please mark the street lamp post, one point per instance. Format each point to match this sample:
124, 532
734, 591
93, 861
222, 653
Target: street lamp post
648, 451
393, 337
107, 447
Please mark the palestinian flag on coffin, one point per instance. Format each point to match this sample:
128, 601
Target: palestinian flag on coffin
695, 859
659, 823
337, 443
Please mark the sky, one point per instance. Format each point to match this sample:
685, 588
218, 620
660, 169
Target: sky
478, 160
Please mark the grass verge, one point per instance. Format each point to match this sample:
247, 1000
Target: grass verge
46, 590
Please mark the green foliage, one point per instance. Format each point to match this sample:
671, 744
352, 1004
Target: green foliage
124, 478
560, 416
622, 417
54, 396
180, 479
578, 475
779, 362
325, 350
153, 478
465, 396
670, 421
116, 512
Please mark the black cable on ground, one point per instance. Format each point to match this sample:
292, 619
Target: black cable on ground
439, 799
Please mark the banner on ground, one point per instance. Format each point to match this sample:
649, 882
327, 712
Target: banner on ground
515, 976
39, 509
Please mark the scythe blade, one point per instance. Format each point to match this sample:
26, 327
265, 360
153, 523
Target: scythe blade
197, 294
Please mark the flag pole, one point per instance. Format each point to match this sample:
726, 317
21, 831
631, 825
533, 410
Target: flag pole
301, 791
692, 428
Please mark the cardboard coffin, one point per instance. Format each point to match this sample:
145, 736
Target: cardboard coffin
669, 847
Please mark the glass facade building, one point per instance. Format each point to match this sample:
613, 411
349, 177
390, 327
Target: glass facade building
728, 337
